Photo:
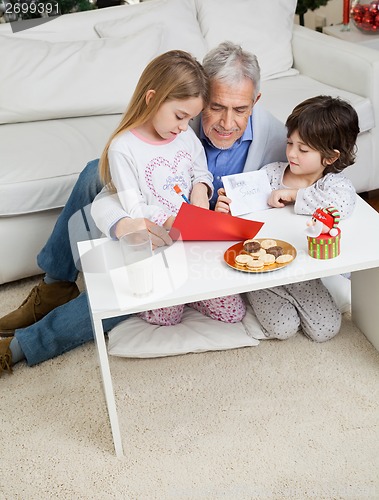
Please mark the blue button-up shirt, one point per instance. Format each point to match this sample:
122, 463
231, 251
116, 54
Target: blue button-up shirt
226, 161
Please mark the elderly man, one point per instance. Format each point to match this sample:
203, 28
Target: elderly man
237, 135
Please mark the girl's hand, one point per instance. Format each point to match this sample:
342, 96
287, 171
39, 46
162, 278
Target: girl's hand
223, 202
158, 235
199, 195
169, 222
282, 197
129, 225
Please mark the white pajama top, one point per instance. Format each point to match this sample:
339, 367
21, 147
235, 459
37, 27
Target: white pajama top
331, 190
144, 173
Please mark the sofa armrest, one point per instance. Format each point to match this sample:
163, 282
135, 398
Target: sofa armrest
349, 67
335, 62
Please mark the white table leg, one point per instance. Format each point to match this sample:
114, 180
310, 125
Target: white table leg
108, 386
365, 303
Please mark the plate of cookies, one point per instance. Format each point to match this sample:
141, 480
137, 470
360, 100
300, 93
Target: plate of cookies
260, 255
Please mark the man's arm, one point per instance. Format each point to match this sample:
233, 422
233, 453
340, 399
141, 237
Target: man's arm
269, 140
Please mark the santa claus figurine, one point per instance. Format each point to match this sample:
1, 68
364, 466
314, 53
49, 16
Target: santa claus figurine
323, 234
324, 221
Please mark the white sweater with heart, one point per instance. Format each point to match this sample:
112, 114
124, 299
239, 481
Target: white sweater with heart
144, 173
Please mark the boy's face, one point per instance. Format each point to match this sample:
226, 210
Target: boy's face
226, 117
303, 160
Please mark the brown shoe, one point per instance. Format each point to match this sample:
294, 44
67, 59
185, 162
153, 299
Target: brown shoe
5, 356
41, 300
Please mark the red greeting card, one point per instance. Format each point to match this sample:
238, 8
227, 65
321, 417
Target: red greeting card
195, 223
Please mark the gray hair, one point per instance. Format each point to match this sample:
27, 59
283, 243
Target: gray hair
228, 62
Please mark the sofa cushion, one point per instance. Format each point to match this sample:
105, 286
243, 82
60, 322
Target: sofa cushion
261, 27
181, 29
40, 161
298, 88
43, 80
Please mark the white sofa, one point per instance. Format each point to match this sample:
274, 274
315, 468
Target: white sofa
65, 83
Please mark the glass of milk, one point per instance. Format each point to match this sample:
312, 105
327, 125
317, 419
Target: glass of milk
138, 258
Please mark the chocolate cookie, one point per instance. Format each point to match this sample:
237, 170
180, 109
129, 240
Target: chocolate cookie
251, 246
275, 251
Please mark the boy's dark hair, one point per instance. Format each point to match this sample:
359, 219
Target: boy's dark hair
325, 124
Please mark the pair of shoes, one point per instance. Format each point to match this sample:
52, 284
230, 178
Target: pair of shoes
5, 355
41, 300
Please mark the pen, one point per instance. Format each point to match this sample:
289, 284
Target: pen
179, 192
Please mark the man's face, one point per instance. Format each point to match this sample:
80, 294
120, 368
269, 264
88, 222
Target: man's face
225, 118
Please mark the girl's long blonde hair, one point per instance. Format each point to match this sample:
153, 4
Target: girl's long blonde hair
174, 75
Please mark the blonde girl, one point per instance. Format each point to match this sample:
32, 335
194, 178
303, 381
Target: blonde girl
153, 149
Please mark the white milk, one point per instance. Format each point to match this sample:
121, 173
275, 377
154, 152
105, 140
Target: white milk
140, 276
138, 258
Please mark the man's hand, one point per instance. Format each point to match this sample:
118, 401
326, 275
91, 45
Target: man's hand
282, 197
223, 202
159, 236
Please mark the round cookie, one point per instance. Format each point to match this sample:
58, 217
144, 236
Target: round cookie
258, 254
268, 259
284, 259
251, 246
255, 265
275, 251
268, 243
242, 260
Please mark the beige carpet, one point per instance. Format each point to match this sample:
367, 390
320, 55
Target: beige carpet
284, 420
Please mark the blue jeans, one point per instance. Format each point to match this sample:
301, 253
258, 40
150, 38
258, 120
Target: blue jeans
69, 325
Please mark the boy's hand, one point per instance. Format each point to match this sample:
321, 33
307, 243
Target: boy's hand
282, 197
223, 202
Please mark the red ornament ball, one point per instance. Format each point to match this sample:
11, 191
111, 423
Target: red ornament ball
366, 16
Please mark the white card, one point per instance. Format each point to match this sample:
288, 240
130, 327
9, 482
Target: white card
248, 191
